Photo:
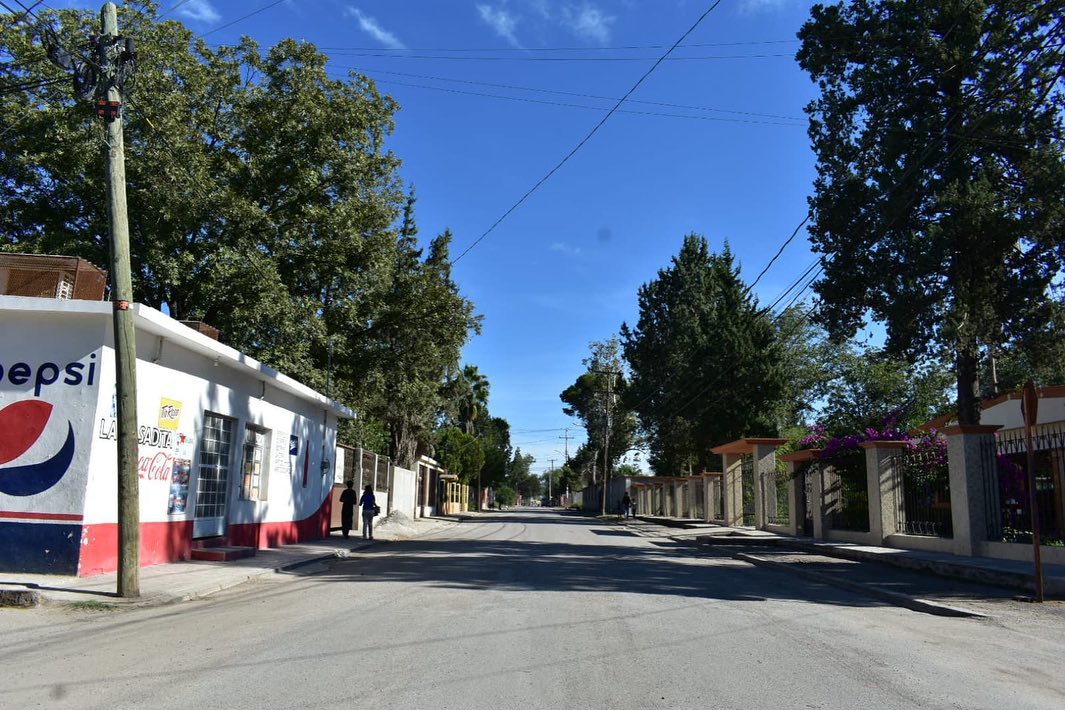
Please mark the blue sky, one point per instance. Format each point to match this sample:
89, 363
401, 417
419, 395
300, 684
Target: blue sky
715, 144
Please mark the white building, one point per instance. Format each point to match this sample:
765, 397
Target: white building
230, 451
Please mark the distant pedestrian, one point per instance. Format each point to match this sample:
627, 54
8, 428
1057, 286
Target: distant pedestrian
347, 510
369, 509
626, 504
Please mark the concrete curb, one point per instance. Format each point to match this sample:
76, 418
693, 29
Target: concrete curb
895, 598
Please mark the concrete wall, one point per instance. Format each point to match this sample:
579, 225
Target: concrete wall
404, 491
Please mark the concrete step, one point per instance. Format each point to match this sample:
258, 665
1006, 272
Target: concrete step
222, 553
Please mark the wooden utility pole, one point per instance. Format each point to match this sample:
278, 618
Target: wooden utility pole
115, 58
606, 436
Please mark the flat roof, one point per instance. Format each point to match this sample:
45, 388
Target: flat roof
746, 445
149, 320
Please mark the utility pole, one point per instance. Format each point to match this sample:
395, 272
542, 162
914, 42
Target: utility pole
550, 475
104, 77
565, 437
606, 436
116, 58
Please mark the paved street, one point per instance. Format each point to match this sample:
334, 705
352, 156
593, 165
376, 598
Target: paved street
535, 609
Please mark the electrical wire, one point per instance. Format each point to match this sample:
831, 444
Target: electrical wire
557, 49
588, 137
576, 94
438, 57
253, 13
562, 104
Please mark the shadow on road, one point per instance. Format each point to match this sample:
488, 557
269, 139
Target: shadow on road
520, 565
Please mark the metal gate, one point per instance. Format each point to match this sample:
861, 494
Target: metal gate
747, 481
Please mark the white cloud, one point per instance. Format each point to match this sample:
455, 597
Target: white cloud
755, 6
199, 11
588, 21
564, 248
500, 20
370, 26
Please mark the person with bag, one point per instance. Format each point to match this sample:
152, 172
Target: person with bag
369, 510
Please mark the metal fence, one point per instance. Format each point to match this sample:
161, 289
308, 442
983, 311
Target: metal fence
846, 493
775, 497
1006, 490
922, 493
747, 481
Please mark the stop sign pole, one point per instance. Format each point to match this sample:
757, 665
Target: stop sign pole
1030, 407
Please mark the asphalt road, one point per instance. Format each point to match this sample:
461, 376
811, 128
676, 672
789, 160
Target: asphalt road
532, 609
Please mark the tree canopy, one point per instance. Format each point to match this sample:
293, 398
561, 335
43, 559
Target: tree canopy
939, 205
705, 362
587, 400
262, 199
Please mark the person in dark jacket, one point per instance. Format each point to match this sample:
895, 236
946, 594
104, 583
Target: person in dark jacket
347, 509
369, 509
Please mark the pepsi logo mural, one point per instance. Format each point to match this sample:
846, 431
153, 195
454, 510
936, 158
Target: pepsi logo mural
21, 426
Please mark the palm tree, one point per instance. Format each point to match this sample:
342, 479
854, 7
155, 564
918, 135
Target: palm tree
473, 398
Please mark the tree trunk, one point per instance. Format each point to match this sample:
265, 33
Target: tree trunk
968, 373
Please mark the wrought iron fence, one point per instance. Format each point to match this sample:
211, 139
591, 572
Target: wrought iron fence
747, 480
717, 499
846, 493
922, 490
1006, 486
699, 505
775, 497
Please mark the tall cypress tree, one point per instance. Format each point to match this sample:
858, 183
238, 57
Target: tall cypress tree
704, 360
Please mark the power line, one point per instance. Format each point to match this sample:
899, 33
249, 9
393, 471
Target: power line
264, 8
558, 49
576, 94
588, 137
172, 8
440, 57
563, 104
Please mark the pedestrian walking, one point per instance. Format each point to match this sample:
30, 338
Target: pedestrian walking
626, 504
347, 508
369, 509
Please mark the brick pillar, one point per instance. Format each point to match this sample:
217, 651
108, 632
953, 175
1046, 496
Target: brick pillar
796, 498
732, 489
970, 461
765, 465
883, 487
819, 500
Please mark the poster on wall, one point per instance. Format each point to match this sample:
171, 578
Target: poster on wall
179, 486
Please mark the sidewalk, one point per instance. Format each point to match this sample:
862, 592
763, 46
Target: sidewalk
182, 581
984, 570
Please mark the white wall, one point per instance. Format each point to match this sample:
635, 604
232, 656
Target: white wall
404, 491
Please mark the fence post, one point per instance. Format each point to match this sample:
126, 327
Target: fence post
765, 467
969, 467
732, 488
883, 483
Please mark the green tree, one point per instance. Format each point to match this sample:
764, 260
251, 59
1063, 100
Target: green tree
459, 453
262, 200
586, 400
520, 476
505, 495
704, 359
870, 388
495, 440
422, 326
940, 198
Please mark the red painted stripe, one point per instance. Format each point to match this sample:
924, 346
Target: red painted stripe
41, 516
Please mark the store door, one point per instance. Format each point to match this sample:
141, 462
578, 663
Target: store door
212, 476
